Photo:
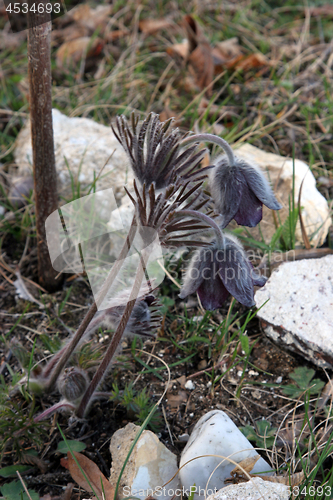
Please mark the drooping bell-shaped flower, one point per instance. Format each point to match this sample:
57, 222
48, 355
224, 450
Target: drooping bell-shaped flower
217, 271
239, 191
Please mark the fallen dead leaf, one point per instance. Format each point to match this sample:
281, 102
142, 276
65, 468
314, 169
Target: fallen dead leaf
176, 400
74, 50
115, 35
287, 479
152, 26
323, 10
181, 50
84, 15
69, 33
247, 465
200, 59
249, 62
228, 49
92, 479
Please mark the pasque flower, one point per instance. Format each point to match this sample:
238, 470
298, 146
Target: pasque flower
154, 150
220, 270
239, 191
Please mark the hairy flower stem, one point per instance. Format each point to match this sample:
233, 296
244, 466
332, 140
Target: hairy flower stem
214, 139
208, 220
103, 367
62, 405
54, 368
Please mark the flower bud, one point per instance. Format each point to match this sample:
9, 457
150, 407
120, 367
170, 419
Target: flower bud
240, 191
73, 383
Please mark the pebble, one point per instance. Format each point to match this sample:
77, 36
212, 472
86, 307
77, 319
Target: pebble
215, 434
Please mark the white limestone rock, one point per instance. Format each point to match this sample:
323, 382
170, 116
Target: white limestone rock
86, 146
279, 170
255, 489
215, 434
150, 465
299, 311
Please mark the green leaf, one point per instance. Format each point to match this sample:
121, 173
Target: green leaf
73, 445
15, 491
10, 471
265, 436
303, 377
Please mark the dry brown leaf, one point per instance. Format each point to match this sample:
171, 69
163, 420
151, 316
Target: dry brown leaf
115, 35
175, 400
200, 59
69, 33
252, 61
74, 50
201, 63
152, 26
228, 49
179, 50
245, 465
92, 473
323, 10
289, 480
91, 18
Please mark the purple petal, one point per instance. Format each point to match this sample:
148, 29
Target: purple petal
227, 185
250, 209
235, 272
212, 294
193, 275
258, 279
258, 183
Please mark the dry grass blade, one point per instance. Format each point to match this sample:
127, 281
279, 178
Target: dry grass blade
301, 221
289, 480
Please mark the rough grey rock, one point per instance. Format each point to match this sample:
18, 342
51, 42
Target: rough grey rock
214, 434
86, 146
279, 170
299, 311
150, 465
255, 489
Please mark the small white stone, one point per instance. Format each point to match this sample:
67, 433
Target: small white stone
150, 465
253, 373
215, 434
239, 373
86, 145
278, 380
279, 170
298, 312
255, 489
189, 385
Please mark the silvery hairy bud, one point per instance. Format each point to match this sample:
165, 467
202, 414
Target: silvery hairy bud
240, 190
73, 383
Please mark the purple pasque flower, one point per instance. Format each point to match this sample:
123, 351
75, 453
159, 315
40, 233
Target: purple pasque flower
215, 272
240, 190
